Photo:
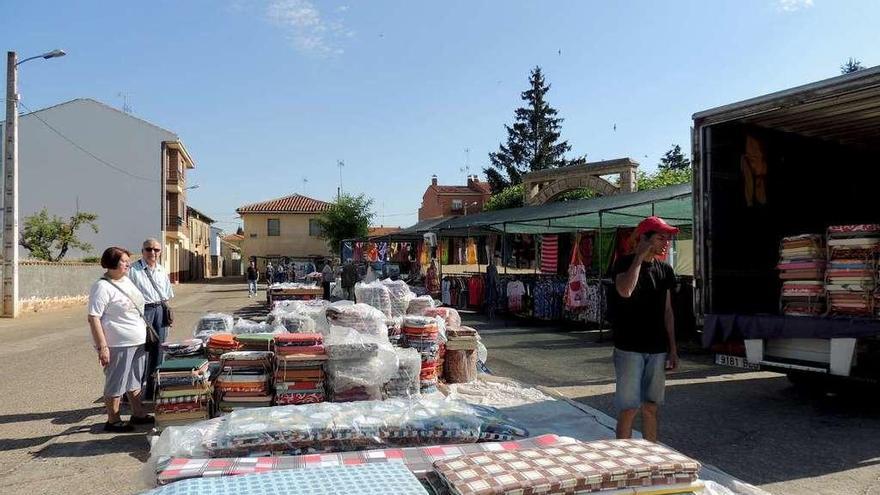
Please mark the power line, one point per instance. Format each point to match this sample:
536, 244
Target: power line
77, 146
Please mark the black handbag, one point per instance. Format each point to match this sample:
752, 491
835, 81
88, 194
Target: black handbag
167, 314
152, 336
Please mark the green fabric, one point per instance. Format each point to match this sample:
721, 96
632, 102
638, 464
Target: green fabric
181, 364
255, 338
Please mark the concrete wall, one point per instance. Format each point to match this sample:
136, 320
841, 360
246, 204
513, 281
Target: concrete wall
44, 285
294, 240
59, 177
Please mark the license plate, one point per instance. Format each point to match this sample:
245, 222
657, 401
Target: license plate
735, 362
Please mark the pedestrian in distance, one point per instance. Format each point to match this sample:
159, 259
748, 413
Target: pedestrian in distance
119, 333
644, 327
253, 276
270, 273
150, 277
328, 277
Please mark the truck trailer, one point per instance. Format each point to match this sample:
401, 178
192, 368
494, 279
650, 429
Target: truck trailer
785, 164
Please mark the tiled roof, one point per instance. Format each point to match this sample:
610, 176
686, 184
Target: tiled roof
477, 187
233, 238
295, 203
377, 231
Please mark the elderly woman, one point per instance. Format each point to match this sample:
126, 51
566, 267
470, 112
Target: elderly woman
119, 332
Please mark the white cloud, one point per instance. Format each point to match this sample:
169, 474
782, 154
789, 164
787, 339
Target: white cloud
310, 32
793, 5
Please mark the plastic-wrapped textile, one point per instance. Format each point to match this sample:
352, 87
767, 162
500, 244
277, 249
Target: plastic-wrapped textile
419, 304
394, 326
460, 366
243, 326
353, 394
297, 323
212, 323
255, 341
361, 317
185, 348
400, 296
374, 294
351, 373
450, 316
346, 343
338, 427
406, 381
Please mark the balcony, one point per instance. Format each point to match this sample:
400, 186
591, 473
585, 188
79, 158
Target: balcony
175, 183
176, 227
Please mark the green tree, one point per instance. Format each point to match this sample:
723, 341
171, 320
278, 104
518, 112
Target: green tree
851, 65
663, 178
42, 235
674, 159
348, 217
532, 141
511, 197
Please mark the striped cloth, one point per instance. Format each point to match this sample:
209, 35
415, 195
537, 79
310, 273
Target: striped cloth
549, 253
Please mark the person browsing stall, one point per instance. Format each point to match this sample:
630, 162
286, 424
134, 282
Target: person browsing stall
119, 333
328, 276
253, 276
644, 327
150, 277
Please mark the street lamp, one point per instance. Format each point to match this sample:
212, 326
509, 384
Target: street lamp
466, 204
10, 183
195, 186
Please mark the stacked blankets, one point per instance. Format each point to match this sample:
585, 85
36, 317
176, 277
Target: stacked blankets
460, 365
852, 273
571, 468
354, 368
184, 392
186, 348
299, 368
219, 344
421, 333
244, 380
802, 271
255, 341
406, 381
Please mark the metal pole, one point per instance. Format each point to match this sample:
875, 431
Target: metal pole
10, 192
600, 312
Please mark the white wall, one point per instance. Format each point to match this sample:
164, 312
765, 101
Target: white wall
55, 174
215, 241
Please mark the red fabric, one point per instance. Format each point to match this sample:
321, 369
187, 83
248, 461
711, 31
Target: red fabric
475, 291
549, 253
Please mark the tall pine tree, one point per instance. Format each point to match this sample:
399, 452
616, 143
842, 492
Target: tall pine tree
533, 140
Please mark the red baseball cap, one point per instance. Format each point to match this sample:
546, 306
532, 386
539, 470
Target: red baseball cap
655, 224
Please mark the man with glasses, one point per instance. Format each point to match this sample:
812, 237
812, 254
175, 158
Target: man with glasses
152, 280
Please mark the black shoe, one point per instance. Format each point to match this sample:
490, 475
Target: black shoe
118, 427
145, 420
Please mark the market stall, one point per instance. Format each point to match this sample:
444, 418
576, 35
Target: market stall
287, 291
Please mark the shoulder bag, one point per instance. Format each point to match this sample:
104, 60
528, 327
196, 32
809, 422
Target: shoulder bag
167, 314
152, 336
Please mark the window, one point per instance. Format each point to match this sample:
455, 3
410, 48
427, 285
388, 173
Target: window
315, 229
457, 205
273, 226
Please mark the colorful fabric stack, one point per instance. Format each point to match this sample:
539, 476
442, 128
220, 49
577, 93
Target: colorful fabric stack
421, 333
299, 368
255, 341
802, 271
244, 380
419, 460
184, 392
460, 365
572, 468
219, 344
851, 278
212, 323
186, 348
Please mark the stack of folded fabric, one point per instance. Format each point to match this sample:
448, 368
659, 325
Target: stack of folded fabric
299, 368
184, 392
212, 323
186, 348
852, 273
802, 271
255, 341
419, 304
244, 380
219, 344
460, 365
406, 382
637, 466
421, 333
394, 325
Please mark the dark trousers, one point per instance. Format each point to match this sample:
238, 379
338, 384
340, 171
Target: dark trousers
326, 291
154, 316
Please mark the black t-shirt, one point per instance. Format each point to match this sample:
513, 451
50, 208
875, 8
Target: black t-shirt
638, 321
251, 273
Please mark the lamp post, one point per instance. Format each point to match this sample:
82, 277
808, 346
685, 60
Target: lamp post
10, 183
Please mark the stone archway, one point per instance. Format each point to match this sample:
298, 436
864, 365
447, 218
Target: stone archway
546, 185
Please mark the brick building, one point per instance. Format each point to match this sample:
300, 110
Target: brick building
446, 201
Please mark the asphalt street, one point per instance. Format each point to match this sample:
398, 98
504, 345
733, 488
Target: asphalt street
754, 425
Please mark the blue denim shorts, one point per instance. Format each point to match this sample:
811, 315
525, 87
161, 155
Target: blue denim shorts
640, 378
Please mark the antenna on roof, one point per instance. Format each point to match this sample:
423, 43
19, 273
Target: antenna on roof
305, 184
125, 106
340, 164
466, 169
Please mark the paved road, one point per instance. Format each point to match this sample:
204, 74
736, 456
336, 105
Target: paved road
753, 425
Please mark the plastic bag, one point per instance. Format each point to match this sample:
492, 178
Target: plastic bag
297, 323
405, 382
358, 361
400, 296
375, 294
243, 326
361, 317
418, 305
346, 343
212, 323
449, 315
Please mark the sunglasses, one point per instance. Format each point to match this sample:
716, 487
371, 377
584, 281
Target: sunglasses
155, 250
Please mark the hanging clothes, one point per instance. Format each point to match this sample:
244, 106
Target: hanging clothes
471, 252
576, 289
476, 287
549, 253
432, 283
515, 292
347, 251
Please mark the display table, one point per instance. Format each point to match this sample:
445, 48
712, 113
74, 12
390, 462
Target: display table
301, 293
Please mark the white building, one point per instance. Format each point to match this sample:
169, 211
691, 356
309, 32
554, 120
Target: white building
87, 156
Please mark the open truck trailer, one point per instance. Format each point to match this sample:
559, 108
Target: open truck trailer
820, 167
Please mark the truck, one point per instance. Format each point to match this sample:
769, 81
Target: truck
784, 164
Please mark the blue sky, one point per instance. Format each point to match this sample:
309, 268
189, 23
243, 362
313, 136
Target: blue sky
265, 93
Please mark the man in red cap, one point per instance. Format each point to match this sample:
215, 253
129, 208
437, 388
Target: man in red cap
644, 329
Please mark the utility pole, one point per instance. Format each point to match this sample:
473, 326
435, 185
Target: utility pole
10, 192
340, 164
